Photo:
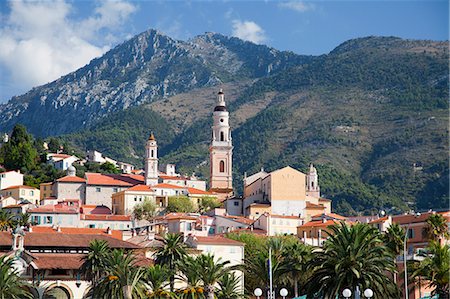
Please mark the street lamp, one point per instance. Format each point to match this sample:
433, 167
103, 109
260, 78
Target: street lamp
283, 293
404, 257
257, 292
368, 293
347, 293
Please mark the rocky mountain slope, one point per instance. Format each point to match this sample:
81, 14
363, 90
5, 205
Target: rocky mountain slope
372, 114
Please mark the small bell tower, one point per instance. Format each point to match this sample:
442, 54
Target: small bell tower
312, 182
151, 161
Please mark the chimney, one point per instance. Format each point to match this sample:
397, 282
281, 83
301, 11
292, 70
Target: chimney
58, 229
324, 220
108, 231
30, 229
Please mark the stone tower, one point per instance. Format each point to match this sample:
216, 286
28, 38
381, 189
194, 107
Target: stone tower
221, 151
151, 161
312, 182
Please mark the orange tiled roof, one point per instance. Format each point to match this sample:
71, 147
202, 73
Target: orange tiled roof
175, 216
332, 215
71, 179
198, 191
167, 186
62, 156
310, 205
140, 188
324, 199
285, 216
318, 223
379, 220
105, 217
106, 180
70, 261
19, 187
52, 209
172, 177
240, 219
117, 234
405, 219
217, 240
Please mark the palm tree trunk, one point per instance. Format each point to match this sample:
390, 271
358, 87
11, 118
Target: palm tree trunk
127, 290
295, 288
209, 291
172, 283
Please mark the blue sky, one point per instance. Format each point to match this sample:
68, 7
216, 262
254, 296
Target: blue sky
43, 40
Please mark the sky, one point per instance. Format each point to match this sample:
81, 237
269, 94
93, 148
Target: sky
41, 41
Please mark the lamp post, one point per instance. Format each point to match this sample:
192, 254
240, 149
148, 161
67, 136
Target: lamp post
404, 257
283, 293
347, 293
257, 292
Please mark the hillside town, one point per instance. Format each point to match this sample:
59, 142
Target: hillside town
140, 211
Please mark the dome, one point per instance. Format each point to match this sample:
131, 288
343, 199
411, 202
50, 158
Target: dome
220, 108
71, 171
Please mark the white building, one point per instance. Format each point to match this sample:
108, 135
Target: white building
61, 161
10, 178
278, 224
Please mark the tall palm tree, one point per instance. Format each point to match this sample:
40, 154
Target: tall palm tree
11, 286
123, 279
191, 275
435, 268
437, 228
94, 263
173, 251
393, 239
24, 219
211, 272
157, 278
229, 287
295, 262
352, 256
6, 220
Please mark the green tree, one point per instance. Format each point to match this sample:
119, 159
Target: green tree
394, 241
95, 261
435, 269
437, 228
208, 203
145, 210
180, 204
157, 278
54, 145
6, 220
23, 219
352, 256
19, 152
122, 278
108, 167
11, 286
192, 277
170, 254
295, 263
211, 272
229, 287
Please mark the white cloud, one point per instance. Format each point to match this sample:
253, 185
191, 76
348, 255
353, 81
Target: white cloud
39, 42
248, 30
299, 6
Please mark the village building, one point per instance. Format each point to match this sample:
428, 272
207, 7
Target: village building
275, 225
22, 193
10, 178
61, 161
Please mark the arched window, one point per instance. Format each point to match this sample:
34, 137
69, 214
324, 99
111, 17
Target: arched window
222, 166
152, 153
312, 184
222, 136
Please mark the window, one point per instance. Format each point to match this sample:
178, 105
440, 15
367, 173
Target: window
222, 166
135, 198
188, 226
236, 203
22, 192
222, 136
48, 219
410, 233
91, 225
36, 219
58, 272
98, 189
115, 190
152, 153
221, 120
31, 193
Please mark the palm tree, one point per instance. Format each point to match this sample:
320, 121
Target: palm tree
393, 239
173, 251
11, 286
435, 268
211, 272
191, 275
24, 219
229, 287
94, 263
157, 278
6, 220
123, 279
437, 227
352, 256
295, 262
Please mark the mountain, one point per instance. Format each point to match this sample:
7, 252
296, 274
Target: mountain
372, 114
147, 67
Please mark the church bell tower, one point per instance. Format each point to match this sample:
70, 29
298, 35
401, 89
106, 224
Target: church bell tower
221, 151
151, 161
312, 182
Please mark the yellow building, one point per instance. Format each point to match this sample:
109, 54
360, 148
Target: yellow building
22, 192
46, 190
123, 202
288, 192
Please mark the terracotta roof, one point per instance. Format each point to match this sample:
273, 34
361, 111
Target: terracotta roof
45, 184
63, 240
18, 172
324, 199
95, 210
240, 219
318, 223
104, 180
71, 179
52, 209
406, 219
62, 156
379, 220
12, 206
140, 188
174, 216
167, 186
255, 231
19, 186
198, 191
172, 177
331, 215
310, 205
259, 205
285, 216
70, 261
217, 240
117, 234
105, 217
